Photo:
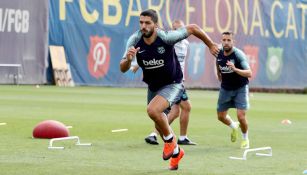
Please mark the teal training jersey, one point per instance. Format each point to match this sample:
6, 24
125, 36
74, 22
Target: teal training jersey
159, 61
230, 79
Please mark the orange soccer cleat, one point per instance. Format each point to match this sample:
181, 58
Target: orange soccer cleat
169, 149
174, 162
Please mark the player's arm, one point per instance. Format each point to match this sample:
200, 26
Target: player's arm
172, 37
246, 71
134, 66
218, 72
130, 53
195, 30
125, 63
243, 72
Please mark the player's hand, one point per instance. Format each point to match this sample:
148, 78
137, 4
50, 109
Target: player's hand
214, 49
131, 53
231, 65
134, 69
219, 77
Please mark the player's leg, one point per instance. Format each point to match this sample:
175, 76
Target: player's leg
241, 114
174, 113
184, 117
152, 137
158, 131
171, 115
174, 162
224, 103
185, 106
222, 117
155, 111
242, 104
165, 97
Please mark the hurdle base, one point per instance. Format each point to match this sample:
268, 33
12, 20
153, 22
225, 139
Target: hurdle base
66, 138
244, 157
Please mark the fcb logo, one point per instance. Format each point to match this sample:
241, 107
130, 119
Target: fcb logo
161, 50
98, 58
253, 61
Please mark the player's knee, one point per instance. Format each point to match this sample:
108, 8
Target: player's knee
221, 117
241, 118
186, 107
174, 112
176, 115
152, 113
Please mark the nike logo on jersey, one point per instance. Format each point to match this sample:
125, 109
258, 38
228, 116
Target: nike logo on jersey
141, 51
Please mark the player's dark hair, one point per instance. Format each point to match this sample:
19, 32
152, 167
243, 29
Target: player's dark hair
228, 33
151, 13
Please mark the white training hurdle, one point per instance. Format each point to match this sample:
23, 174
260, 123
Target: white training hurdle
1, 124
244, 157
66, 138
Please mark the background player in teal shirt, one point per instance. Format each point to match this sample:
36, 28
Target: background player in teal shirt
233, 71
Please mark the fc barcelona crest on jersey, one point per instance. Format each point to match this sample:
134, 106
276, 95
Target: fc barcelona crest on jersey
161, 50
98, 58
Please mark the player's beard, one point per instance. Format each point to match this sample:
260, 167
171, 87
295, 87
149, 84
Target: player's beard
147, 34
227, 49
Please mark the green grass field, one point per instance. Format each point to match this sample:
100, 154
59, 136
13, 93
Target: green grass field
95, 111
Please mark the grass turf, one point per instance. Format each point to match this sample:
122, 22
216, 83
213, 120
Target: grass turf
95, 111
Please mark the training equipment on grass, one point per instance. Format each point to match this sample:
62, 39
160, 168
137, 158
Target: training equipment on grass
119, 130
61, 70
1, 124
66, 138
286, 122
254, 150
50, 129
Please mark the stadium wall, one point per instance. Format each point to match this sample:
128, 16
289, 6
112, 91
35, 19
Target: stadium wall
23, 41
271, 33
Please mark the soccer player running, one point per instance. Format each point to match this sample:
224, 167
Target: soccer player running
183, 106
155, 54
233, 72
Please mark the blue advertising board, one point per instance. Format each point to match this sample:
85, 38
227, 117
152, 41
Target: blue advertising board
271, 33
